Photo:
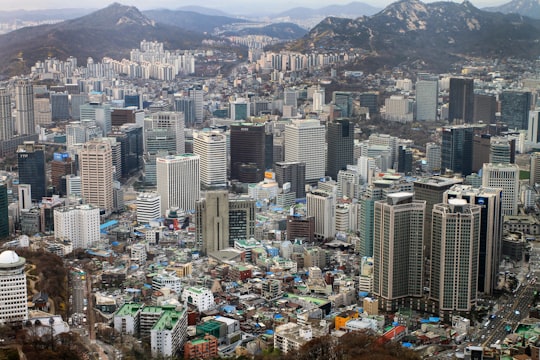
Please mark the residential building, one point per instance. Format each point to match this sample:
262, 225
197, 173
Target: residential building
78, 224
200, 297
24, 102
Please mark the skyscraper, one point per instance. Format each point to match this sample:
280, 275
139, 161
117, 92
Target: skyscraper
490, 242
13, 297
340, 146
79, 224
534, 177
398, 239
59, 106
293, 173
165, 131
212, 232
515, 107
6, 121
4, 216
248, 145
433, 155
344, 101
454, 256
24, 101
212, 149
178, 181
31, 164
304, 142
506, 177
457, 146
321, 205
427, 92
96, 172
461, 105
101, 114
197, 94
502, 150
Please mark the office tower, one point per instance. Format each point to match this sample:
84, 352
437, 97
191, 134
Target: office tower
290, 97
454, 256
42, 112
248, 145
96, 172
506, 177
344, 102
481, 151
427, 93
515, 107
165, 131
61, 165
489, 248
148, 207
398, 108
46, 210
178, 181
461, 104
73, 185
31, 164
186, 106
321, 205
4, 214
318, 99
241, 219
6, 121
59, 106
366, 168
293, 173
116, 156
75, 102
367, 213
24, 196
433, 157
485, 107
132, 100
398, 239
375, 148
457, 149
340, 146
349, 182
239, 109
502, 150
405, 160
534, 177
212, 212
370, 100
304, 142
130, 137
79, 224
24, 102
123, 116
13, 297
212, 149
197, 94
300, 227
99, 113
533, 129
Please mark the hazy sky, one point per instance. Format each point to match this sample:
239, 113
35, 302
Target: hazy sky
230, 6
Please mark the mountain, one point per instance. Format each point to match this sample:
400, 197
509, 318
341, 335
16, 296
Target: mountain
112, 31
283, 31
43, 15
530, 8
190, 20
351, 10
430, 36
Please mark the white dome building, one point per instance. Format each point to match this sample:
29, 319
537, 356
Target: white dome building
13, 295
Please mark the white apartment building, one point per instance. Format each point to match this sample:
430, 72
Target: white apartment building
13, 297
200, 297
304, 142
212, 149
79, 224
138, 253
148, 207
178, 181
167, 280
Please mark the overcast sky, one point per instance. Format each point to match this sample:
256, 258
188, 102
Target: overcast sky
229, 6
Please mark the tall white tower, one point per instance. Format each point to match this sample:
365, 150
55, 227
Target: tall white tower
212, 149
171, 123
6, 121
24, 101
506, 177
321, 205
305, 142
96, 172
79, 224
148, 207
178, 181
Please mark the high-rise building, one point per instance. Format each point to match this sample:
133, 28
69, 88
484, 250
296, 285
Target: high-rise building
461, 105
515, 107
457, 149
212, 149
370, 100
427, 92
485, 107
344, 102
398, 239
489, 248
433, 157
212, 232
197, 94
59, 106
405, 160
31, 164
506, 177
148, 207
186, 106
534, 177
239, 109
304, 142
318, 99
6, 121
132, 100
24, 101
61, 165
454, 256
13, 297
321, 205
96, 172
248, 156
502, 150
533, 129
130, 137
79, 224
481, 151
178, 181
241, 219
340, 146
99, 113
165, 131
4, 215
293, 173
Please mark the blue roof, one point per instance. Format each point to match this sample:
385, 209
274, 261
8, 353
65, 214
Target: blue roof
108, 224
407, 344
434, 319
278, 316
269, 332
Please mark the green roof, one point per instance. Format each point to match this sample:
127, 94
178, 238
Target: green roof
128, 309
152, 309
209, 326
168, 319
313, 300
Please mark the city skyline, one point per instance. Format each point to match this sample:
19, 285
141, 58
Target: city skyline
232, 7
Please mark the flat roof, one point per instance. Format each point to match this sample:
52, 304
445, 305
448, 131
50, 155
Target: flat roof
128, 309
